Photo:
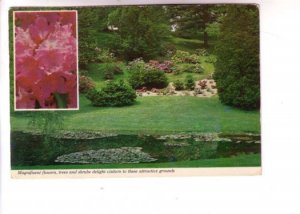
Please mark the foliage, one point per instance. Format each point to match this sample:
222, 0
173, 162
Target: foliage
113, 94
192, 20
87, 35
211, 59
47, 122
111, 69
104, 56
188, 68
108, 74
237, 67
189, 82
140, 30
146, 76
179, 85
45, 60
85, 84
168, 49
185, 57
201, 52
213, 29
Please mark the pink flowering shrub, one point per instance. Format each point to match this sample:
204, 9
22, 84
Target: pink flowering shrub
166, 66
45, 60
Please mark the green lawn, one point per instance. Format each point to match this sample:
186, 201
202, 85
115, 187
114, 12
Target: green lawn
157, 115
241, 160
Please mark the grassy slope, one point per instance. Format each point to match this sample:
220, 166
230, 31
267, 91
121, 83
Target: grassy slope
241, 160
167, 114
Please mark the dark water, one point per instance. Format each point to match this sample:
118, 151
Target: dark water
31, 150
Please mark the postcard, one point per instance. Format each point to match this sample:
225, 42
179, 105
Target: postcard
135, 91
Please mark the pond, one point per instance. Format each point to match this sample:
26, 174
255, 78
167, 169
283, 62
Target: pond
29, 149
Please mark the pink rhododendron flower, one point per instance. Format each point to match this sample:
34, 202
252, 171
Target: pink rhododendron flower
45, 59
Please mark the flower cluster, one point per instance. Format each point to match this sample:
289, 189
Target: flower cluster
165, 66
45, 59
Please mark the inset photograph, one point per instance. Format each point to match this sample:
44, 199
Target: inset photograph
45, 60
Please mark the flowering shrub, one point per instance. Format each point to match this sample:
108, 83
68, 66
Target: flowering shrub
165, 66
143, 75
45, 60
85, 84
179, 85
185, 57
104, 56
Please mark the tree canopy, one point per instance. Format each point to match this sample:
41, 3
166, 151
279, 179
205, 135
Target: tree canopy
237, 50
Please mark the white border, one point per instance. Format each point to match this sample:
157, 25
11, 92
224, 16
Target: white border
276, 191
14, 57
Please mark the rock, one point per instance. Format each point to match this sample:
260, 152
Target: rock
176, 144
201, 137
118, 155
174, 137
83, 135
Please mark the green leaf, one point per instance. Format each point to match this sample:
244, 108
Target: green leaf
61, 100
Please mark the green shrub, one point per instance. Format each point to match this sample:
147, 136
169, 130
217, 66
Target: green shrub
168, 49
85, 84
211, 59
117, 70
104, 56
237, 50
145, 76
188, 68
189, 82
113, 94
185, 57
201, 51
179, 85
108, 74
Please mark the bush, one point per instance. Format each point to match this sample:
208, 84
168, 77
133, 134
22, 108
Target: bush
146, 76
104, 56
85, 84
211, 59
201, 51
108, 74
179, 85
185, 57
113, 94
188, 68
117, 70
168, 49
189, 82
237, 67
166, 66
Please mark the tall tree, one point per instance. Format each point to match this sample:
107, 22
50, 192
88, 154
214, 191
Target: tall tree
193, 19
87, 30
237, 50
141, 30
